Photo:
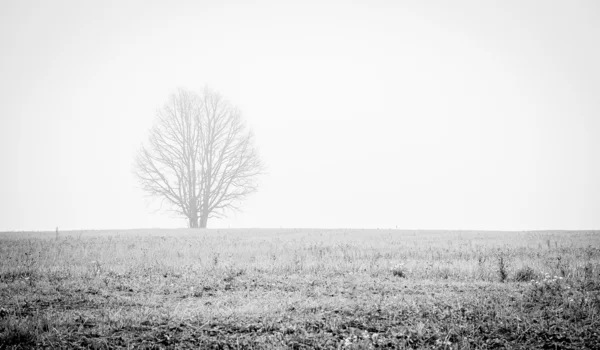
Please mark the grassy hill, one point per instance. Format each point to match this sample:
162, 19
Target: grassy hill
300, 288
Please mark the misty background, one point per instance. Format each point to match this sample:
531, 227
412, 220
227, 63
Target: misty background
375, 114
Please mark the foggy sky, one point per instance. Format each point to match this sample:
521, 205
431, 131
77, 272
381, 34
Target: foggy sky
408, 114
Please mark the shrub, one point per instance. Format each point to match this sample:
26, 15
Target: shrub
525, 274
398, 270
502, 273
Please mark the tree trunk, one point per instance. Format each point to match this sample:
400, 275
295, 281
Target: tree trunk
193, 212
203, 220
193, 221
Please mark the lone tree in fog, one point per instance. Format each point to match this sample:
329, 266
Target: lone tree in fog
200, 157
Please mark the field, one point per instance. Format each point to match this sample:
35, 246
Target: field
300, 289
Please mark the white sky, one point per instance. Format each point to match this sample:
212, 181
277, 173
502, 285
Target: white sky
416, 114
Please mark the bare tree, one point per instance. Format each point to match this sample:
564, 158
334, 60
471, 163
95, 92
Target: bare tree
200, 157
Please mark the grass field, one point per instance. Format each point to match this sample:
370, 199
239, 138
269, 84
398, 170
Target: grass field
274, 288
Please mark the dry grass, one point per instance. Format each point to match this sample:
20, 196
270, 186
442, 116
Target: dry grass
299, 288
